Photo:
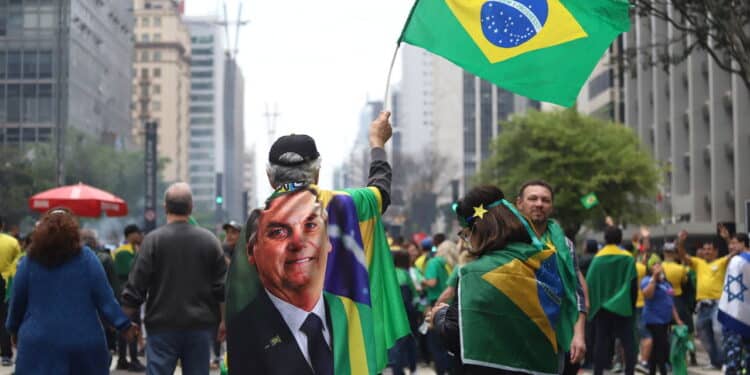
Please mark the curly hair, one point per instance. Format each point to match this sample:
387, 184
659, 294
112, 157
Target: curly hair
55, 239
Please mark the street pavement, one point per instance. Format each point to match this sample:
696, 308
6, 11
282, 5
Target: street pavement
701, 357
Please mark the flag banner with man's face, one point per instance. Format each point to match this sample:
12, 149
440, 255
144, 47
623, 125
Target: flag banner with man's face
516, 294
542, 49
362, 294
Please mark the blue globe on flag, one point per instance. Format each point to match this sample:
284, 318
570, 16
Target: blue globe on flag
510, 23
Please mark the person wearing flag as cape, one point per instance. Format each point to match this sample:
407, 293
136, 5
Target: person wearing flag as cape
362, 295
613, 291
734, 308
535, 201
510, 299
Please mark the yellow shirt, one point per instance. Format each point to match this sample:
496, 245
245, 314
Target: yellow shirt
10, 249
420, 262
676, 275
640, 268
709, 277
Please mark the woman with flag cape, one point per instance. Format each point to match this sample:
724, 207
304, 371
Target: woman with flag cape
510, 300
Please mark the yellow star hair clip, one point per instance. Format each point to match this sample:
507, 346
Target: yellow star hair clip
479, 211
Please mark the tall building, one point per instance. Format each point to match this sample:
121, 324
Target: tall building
162, 68
249, 184
207, 113
601, 95
693, 119
485, 106
65, 64
234, 138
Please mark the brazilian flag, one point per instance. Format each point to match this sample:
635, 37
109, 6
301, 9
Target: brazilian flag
511, 305
364, 297
542, 49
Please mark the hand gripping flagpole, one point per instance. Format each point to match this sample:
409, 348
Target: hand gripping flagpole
387, 98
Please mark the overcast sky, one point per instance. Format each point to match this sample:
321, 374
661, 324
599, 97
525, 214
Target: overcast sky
318, 62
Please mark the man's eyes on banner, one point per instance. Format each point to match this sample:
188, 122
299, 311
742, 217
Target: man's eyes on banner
278, 233
312, 225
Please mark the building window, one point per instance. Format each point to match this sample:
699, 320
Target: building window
45, 134
202, 51
157, 55
45, 103
157, 37
144, 56
201, 109
200, 86
29, 64
155, 105
156, 89
145, 22
203, 63
45, 64
145, 37
2, 64
201, 98
14, 103
157, 72
600, 83
204, 74
14, 64
201, 132
157, 21
202, 121
29, 103
28, 135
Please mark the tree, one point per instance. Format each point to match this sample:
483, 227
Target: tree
719, 27
30, 170
577, 155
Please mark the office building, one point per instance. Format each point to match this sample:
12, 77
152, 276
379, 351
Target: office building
162, 81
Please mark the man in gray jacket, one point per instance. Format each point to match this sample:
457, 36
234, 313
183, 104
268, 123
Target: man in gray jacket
179, 273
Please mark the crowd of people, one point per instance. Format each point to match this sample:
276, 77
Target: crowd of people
507, 294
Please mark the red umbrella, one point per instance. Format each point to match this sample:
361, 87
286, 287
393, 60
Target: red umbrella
81, 199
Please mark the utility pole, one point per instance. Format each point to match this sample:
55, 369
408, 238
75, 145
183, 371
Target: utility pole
61, 114
271, 122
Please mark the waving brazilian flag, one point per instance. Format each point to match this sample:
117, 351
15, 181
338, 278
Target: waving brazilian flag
363, 295
543, 49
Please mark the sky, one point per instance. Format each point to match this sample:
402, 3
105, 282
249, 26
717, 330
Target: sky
316, 62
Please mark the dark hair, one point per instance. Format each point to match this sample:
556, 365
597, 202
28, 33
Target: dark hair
401, 259
612, 235
536, 183
498, 227
591, 246
55, 239
131, 228
437, 239
742, 237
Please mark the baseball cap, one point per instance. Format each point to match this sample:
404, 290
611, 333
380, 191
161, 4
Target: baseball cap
297, 149
232, 224
132, 228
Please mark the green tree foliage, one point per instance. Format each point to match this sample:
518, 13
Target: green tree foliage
577, 155
31, 170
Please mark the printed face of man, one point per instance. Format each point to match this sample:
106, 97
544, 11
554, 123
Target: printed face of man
536, 203
291, 248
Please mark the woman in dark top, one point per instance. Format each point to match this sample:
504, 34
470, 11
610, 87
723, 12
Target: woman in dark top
59, 293
499, 236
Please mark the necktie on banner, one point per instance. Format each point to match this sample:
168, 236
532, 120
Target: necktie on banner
542, 49
317, 348
734, 305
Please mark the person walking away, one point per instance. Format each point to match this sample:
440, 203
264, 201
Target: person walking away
179, 273
60, 292
123, 259
657, 315
613, 291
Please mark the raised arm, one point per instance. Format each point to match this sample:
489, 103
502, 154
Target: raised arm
380, 171
681, 239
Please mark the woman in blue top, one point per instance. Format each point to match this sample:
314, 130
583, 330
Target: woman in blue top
59, 292
658, 313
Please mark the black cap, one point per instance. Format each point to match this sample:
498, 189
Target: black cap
232, 224
301, 146
132, 228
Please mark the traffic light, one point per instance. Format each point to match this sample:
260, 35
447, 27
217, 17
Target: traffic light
219, 199
219, 188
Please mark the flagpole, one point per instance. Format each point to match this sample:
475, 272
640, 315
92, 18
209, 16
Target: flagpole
387, 99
